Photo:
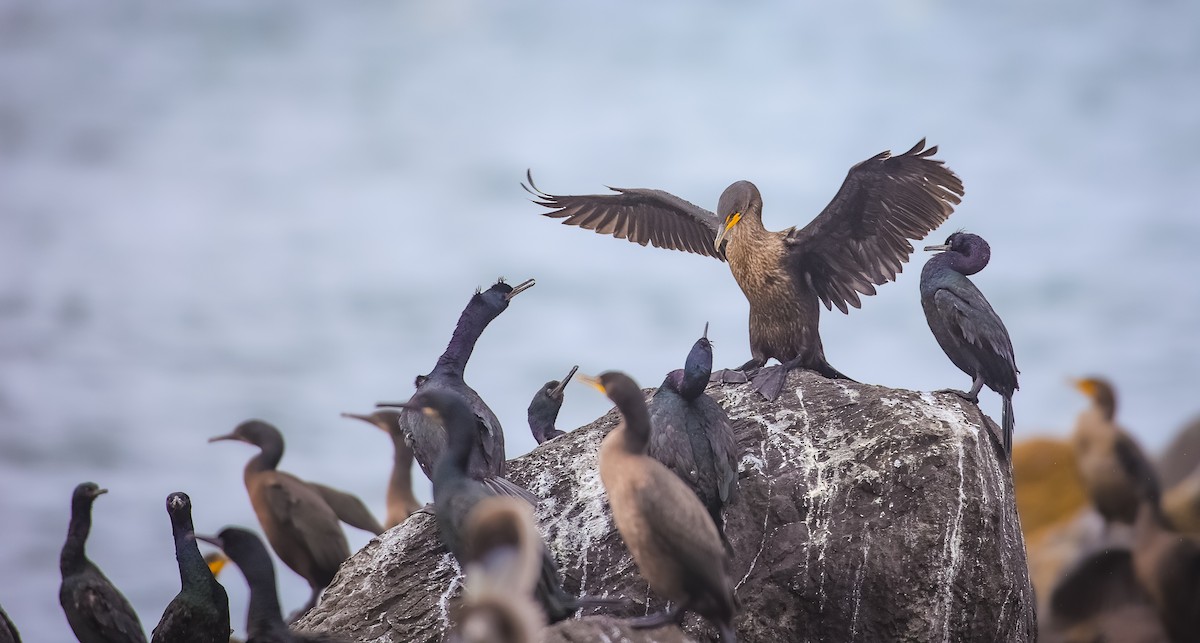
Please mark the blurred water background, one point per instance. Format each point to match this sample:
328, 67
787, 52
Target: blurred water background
222, 210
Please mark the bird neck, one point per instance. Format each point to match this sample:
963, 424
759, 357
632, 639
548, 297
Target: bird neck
74, 554
696, 371
542, 416
400, 493
748, 229
461, 434
636, 425
193, 571
269, 455
1106, 404
470, 326
264, 615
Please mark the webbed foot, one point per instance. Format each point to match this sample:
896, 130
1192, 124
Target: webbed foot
973, 399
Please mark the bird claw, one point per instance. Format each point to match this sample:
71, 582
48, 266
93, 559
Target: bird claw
973, 399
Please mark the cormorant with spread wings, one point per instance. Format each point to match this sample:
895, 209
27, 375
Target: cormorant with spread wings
857, 242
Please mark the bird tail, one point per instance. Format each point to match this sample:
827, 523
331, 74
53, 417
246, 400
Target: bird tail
1007, 424
501, 486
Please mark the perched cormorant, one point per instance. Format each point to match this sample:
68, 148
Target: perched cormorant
299, 518
1167, 565
264, 619
8, 631
1115, 471
692, 435
856, 243
543, 409
456, 493
673, 539
428, 439
503, 560
199, 613
401, 502
96, 611
965, 325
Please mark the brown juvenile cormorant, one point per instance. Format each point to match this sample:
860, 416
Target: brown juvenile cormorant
199, 613
96, 611
964, 324
8, 631
543, 409
264, 619
856, 243
298, 517
1115, 471
502, 550
456, 493
692, 435
401, 502
674, 541
1167, 565
428, 439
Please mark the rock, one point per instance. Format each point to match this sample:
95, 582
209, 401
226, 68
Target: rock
862, 513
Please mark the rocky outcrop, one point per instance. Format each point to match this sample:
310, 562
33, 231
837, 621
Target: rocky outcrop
862, 513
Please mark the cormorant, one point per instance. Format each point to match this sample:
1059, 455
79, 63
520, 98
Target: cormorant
199, 613
503, 560
96, 611
1167, 565
456, 493
8, 631
401, 502
543, 409
692, 435
674, 541
428, 439
299, 518
965, 325
856, 243
264, 620
1115, 471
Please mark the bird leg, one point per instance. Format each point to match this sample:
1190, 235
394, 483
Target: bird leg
651, 621
971, 396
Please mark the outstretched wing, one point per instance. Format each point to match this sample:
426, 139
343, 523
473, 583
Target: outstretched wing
642, 216
860, 239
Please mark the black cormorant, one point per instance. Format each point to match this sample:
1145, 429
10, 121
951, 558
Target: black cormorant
96, 611
401, 502
199, 613
692, 435
674, 541
264, 619
456, 493
503, 560
428, 439
856, 243
299, 518
965, 325
543, 409
1116, 473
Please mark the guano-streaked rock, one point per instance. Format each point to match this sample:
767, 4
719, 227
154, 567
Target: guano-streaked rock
862, 513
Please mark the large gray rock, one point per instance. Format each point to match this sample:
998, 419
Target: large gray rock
862, 513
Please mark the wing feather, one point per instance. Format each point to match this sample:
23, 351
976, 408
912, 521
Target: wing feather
860, 240
643, 216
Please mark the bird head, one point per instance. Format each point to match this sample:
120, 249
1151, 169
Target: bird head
738, 201
254, 432
495, 299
